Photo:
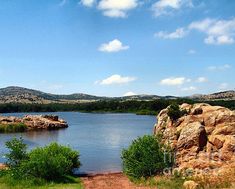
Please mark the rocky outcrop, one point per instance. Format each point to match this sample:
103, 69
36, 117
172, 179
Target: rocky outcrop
202, 139
35, 122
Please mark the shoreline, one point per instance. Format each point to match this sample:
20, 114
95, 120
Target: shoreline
98, 174
93, 174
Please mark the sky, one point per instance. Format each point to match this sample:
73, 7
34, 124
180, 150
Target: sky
118, 47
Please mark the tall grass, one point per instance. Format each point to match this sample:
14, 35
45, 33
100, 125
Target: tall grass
12, 128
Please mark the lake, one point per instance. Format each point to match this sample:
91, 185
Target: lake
99, 138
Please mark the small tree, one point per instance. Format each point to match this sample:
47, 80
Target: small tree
174, 112
145, 157
17, 152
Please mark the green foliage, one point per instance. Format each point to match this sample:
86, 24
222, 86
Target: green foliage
169, 183
132, 106
145, 157
17, 152
147, 112
8, 182
12, 128
51, 162
174, 112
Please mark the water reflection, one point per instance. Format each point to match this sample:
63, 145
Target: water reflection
99, 137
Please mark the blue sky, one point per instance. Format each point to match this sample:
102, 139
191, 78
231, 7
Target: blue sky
118, 47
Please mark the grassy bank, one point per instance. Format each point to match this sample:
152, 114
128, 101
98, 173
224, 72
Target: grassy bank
9, 183
12, 128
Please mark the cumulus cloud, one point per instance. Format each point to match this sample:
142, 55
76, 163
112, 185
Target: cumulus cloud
179, 33
130, 94
113, 46
191, 88
219, 32
172, 81
165, 7
201, 80
219, 68
116, 79
88, 3
117, 8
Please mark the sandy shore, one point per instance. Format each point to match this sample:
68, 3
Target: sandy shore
109, 181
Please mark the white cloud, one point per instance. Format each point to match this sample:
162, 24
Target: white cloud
116, 79
223, 86
179, 33
201, 80
129, 94
165, 7
220, 40
219, 32
88, 3
219, 68
191, 88
117, 8
114, 13
113, 46
62, 3
192, 51
174, 81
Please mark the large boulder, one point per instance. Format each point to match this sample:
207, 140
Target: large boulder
204, 138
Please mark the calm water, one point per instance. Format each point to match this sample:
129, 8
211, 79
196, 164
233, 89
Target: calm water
99, 137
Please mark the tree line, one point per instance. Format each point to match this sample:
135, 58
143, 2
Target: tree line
130, 106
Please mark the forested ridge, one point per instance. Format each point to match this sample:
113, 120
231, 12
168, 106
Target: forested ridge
130, 106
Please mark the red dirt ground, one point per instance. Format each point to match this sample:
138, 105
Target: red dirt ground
110, 181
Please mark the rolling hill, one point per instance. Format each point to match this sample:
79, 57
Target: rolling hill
23, 95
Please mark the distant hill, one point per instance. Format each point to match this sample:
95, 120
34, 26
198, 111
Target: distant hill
225, 95
23, 95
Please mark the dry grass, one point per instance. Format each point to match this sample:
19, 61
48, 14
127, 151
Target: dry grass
225, 179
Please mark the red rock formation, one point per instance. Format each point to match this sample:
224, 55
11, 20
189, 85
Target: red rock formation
36, 122
202, 139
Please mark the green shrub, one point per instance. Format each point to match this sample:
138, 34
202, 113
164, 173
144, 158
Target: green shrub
145, 157
17, 152
174, 112
51, 162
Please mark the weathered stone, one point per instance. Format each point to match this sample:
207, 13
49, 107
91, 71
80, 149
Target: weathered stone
192, 135
36, 122
203, 139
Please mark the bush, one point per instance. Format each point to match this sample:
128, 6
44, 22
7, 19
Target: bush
145, 157
174, 112
52, 162
17, 152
